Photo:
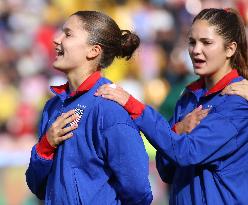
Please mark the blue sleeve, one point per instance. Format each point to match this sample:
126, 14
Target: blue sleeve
37, 174
128, 161
166, 169
214, 137
38, 169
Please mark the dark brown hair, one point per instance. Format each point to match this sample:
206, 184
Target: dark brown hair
104, 31
230, 26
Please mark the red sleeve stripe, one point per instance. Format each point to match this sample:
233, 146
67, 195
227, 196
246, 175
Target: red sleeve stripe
134, 107
174, 128
44, 149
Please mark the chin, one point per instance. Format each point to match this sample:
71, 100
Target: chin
199, 72
57, 67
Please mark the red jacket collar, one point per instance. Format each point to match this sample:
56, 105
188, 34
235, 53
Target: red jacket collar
84, 87
218, 86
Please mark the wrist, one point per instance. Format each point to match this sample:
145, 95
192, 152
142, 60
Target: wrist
50, 144
178, 128
45, 149
134, 107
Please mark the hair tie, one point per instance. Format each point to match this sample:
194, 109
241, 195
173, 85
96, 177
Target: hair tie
226, 9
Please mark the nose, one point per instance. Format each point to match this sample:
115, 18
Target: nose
196, 49
57, 38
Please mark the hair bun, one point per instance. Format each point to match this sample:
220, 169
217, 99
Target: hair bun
129, 43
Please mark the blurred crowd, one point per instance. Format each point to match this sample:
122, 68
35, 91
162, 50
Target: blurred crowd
156, 74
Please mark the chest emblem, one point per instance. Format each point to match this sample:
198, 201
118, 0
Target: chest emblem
209, 106
79, 111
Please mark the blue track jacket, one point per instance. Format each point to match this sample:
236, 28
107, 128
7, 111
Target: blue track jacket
104, 163
209, 165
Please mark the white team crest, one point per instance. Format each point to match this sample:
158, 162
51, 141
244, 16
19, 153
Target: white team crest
79, 111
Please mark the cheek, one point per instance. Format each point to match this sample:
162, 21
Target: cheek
212, 56
76, 58
217, 55
190, 52
216, 61
75, 52
215, 51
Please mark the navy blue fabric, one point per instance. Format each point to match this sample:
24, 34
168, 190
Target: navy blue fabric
209, 165
104, 163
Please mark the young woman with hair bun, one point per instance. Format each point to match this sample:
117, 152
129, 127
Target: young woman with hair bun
89, 150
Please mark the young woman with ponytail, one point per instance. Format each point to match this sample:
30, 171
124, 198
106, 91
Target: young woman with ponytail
207, 163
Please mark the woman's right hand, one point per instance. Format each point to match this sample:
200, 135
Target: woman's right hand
113, 92
59, 131
191, 120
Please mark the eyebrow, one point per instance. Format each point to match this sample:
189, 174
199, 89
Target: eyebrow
66, 29
201, 39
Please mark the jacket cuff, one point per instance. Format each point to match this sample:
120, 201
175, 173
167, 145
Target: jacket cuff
44, 149
134, 107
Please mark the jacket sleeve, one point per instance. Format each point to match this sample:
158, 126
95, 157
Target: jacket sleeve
40, 161
37, 174
166, 169
213, 138
128, 161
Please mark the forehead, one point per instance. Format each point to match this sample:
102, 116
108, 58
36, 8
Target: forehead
202, 29
73, 23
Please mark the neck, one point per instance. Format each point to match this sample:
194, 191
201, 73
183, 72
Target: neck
77, 77
210, 81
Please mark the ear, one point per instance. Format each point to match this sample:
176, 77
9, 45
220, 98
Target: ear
94, 51
230, 49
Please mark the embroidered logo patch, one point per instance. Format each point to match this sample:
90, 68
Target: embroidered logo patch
79, 111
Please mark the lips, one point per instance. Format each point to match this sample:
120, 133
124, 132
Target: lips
197, 62
59, 51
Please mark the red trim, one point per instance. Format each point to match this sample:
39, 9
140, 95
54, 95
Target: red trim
61, 88
134, 107
85, 86
174, 128
221, 84
44, 149
196, 85
88, 83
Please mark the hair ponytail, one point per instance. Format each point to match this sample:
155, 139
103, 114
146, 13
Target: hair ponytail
240, 59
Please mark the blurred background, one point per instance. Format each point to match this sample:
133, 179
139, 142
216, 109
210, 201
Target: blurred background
156, 74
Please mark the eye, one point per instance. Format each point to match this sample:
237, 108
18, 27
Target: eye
207, 42
191, 42
67, 34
